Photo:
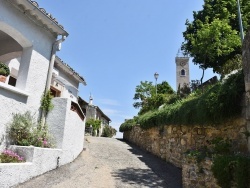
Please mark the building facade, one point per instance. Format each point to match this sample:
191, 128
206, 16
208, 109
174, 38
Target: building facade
28, 43
182, 71
94, 112
25, 46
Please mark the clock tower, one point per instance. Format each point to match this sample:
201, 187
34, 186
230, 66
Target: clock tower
182, 70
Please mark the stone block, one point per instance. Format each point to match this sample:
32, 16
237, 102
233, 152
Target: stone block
169, 129
184, 129
183, 142
200, 131
172, 140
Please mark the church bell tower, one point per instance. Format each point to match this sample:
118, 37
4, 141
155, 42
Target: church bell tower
182, 70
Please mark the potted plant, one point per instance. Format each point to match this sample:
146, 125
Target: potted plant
4, 71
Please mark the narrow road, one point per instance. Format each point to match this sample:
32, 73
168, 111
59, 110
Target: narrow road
110, 163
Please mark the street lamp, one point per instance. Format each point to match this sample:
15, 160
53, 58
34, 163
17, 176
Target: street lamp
156, 75
240, 22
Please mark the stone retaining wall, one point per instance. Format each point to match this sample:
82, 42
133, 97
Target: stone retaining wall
196, 175
170, 142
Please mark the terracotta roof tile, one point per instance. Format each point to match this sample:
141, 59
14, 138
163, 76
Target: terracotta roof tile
46, 13
82, 80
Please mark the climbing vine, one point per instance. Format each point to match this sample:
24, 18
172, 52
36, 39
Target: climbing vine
96, 124
46, 102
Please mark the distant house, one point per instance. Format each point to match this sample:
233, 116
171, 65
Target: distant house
94, 112
65, 81
66, 112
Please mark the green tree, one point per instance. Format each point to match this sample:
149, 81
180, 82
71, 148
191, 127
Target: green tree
164, 88
153, 102
184, 91
96, 124
194, 85
212, 38
145, 92
108, 131
142, 92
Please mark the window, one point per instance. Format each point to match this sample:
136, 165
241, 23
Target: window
55, 92
183, 72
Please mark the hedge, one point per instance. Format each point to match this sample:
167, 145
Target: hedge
220, 102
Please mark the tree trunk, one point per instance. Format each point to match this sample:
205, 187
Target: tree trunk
203, 70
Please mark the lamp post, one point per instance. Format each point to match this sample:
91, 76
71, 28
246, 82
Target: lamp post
156, 75
240, 21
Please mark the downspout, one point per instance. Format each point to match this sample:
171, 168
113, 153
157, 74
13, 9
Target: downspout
56, 47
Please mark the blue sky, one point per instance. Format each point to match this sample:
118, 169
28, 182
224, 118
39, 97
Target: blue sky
115, 44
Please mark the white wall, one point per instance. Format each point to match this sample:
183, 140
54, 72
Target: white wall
40, 160
71, 87
37, 43
67, 128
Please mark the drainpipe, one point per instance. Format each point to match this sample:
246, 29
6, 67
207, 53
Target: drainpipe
56, 47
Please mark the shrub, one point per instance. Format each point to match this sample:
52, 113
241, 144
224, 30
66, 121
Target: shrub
217, 146
221, 146
228, 169
25, 131
96, 124
215, 105
42, 138
46, 102
127, 125
4, 69
8, 156
199, 154
20, 129
108, 131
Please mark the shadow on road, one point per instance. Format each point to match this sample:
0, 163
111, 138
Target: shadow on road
139, 177
169, 176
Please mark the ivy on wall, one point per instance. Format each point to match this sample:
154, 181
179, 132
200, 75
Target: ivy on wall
46, 102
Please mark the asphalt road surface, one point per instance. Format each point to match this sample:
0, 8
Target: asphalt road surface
110, 163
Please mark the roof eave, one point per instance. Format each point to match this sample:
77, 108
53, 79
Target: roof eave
69, 71
104, 115
36, 13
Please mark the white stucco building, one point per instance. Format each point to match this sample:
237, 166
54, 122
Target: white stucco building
29, 39
27, 35
65, 81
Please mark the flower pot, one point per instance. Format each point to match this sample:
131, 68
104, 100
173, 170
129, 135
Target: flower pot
2, 78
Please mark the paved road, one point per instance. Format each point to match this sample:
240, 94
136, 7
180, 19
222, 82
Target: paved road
110, 163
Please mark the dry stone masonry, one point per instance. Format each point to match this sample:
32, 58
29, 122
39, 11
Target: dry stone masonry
171, 142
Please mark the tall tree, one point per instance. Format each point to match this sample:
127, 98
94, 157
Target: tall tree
146, 97
142, 92
212, 38
164, 88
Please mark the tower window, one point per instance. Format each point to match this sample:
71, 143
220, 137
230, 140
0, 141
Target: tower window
183, 72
